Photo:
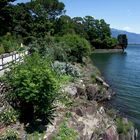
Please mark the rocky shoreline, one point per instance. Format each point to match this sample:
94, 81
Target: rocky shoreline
80, 112
88, 119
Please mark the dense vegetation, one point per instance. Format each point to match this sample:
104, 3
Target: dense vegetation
32, 21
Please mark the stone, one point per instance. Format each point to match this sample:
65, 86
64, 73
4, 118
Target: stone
91, 110
80, 91
111, 134
80, 127
79, 112
106, 85
70, 89
99, 79
91, 91
101, 110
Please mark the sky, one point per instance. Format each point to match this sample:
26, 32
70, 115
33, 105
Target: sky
120, 14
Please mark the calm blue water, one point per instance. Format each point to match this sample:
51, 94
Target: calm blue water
122, 72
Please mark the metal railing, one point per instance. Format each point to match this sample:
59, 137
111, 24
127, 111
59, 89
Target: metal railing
7, 59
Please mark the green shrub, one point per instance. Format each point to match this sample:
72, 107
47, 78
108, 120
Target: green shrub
9, 43
49, 47
67, 48
34, 88
9, 134
2, 51
66, 68
65, 133
36, 136
8, 116
111, 112
123, 127
77, 47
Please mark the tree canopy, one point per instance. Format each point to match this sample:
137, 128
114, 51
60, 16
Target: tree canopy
36, 19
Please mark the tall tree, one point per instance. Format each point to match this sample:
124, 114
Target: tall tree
79, 26
51, 8
64, 25
5, 16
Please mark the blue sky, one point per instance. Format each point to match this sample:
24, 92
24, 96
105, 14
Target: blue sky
120, 14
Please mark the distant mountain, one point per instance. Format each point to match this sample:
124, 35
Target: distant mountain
133, 38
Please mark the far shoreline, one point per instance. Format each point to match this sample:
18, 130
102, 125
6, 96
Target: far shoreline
108, 50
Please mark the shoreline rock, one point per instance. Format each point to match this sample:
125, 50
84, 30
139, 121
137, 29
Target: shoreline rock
90, 121
108, 51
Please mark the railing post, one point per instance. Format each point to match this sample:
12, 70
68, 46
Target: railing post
2, 62
12, 57
15, 57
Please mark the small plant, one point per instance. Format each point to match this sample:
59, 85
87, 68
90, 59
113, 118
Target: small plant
8, 116
36, 136
65, 99
111, 112
9, 134
68, 114
93, 78
2, 51
66, 68
123, 127
65, 133
9, 43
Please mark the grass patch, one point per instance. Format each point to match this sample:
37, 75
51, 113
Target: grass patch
65, 133
123, 127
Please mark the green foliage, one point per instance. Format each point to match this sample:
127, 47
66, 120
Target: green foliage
64, 79
66, 48
2, 51
36, 136
9, 134
34, 87
123, 126
8, 116
65, 99
49, 48
63, 68
77, 47
34, 20
9, 43
64, 25
110, 42
93, 78
65, 133
111, 112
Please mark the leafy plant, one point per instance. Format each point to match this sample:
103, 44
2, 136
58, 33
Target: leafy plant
77, 47
49, 47
9, 134
66, 100
65, 133
122, 126
35, 136
2, 49
8, 116
9, 43
66, 68
111, 112
34, 87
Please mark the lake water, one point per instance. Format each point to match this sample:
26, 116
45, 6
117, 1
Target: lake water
122, 72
